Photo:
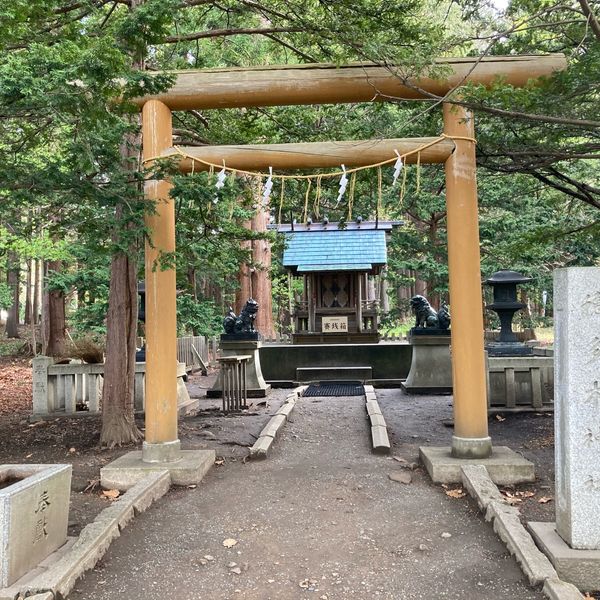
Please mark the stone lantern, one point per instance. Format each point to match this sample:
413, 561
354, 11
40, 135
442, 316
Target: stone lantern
504, 284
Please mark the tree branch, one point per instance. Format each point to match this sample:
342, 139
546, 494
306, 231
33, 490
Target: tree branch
295, 50
587, 11
212, 33
575, 193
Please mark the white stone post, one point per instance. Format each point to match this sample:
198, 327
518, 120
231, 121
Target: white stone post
577, 405
43, 392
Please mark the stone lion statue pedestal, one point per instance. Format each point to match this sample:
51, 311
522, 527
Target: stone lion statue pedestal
431, 365
241, 339
256, 385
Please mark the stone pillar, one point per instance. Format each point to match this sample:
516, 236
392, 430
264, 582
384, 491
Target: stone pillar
577, 405
43, 393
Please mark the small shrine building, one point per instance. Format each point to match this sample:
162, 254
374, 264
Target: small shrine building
337, 304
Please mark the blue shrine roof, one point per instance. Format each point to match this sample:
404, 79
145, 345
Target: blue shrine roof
332, 249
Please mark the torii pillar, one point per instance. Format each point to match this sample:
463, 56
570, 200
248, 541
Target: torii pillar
161, 443
471, 443
470, 439
161, 449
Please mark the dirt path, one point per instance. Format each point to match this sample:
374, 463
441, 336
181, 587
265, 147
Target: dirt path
319, 519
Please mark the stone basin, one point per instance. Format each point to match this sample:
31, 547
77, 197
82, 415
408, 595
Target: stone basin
34, 515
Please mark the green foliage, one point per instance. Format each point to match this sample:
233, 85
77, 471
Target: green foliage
6, 296
197, 317
71, 185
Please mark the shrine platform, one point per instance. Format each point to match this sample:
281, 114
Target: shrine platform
389, 361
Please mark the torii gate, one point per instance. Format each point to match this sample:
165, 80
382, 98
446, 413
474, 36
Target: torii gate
319, 84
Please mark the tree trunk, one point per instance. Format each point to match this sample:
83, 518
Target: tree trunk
118, 421
191, 280
384, 300
12, 320
37, 292
53, 317
28, 287
261, 282
420, 287
244, 290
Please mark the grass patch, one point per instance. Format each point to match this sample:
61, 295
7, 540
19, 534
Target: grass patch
545, 334
10, 347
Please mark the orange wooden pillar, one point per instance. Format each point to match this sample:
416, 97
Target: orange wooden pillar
470, 439
161, 443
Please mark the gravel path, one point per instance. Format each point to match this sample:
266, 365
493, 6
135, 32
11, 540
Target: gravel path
318, 519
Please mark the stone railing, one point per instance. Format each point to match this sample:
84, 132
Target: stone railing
520, 383
76, 388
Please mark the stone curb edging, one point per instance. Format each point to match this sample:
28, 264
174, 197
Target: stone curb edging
520, 544
507, 524
379, 435
95, 538
262, 446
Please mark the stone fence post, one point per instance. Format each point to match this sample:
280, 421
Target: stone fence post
43, 394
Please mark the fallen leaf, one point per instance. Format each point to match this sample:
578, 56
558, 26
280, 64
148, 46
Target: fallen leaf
457, 493
525, 494
72, 450
500, 418
92, 485
400, 476
111, 494
545, 500
514, 501
229, 543
192, 486
219, 462
399, 459
511, 498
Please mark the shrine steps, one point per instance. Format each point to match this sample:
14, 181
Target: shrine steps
346, 373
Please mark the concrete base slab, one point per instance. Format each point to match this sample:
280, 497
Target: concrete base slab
250, 392
504, 465
127, 470
413, 390
579, 567
188, 407
12, 592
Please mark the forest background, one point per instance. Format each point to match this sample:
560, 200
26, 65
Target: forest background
71, 179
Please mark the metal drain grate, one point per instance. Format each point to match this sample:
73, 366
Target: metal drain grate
334, 388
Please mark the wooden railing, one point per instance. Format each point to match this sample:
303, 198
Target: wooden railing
197, 352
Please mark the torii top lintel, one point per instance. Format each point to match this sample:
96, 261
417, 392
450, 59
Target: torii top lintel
330, 84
